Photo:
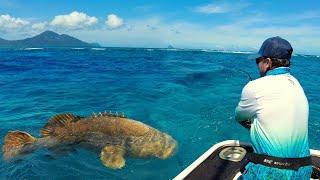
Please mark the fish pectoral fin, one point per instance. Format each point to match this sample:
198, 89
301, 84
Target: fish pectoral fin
112, 156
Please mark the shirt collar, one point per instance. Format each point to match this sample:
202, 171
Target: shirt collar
279, 70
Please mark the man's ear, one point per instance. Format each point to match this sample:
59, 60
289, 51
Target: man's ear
269, 62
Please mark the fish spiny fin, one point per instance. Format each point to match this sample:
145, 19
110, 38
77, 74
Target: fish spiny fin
109, 114
113, 156
59, 120
14, 141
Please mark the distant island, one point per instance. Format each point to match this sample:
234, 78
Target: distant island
170, 47
46, 39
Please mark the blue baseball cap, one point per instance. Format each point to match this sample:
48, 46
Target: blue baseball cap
276, 47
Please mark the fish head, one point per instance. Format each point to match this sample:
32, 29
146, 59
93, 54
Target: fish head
169, 147
160, 145
154, 143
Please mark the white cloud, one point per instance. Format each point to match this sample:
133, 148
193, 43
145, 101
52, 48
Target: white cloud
211, 9
234, 36
114, 22
243, 32
74, 20
7, 22
218, 8
39, 26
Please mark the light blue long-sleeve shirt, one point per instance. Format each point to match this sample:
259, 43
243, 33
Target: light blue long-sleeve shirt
279, 110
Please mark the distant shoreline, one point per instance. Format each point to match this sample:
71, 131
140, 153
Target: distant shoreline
104, 48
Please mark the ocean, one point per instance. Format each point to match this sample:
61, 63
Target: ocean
189, 94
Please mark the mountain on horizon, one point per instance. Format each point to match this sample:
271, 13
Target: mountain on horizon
46, 39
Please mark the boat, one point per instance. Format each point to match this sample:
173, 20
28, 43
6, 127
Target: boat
98, 49
33, 49
227, 160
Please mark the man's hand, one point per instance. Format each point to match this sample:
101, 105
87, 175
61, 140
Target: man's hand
246, 124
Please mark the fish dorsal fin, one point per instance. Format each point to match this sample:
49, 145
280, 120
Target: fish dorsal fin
59, 120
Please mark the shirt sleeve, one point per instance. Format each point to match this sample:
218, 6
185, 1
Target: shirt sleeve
247, 106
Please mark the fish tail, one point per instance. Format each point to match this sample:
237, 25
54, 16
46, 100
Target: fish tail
14, 143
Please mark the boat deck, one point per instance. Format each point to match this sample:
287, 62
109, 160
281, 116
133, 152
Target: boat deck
210, 166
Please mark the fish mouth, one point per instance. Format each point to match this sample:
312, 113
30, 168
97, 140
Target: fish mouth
170, 148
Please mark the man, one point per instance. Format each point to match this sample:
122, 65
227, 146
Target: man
276, 110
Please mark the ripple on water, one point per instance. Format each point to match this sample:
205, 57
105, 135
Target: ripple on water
189, 94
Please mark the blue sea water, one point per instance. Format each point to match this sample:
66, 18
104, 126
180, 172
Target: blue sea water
190, 94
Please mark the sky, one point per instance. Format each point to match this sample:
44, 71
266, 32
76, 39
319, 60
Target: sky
227, 24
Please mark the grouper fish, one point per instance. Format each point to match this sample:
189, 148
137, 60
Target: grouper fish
115, 137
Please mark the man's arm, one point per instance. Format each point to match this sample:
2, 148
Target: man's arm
247, 106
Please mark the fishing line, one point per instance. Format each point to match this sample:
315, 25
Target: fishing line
246, 73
